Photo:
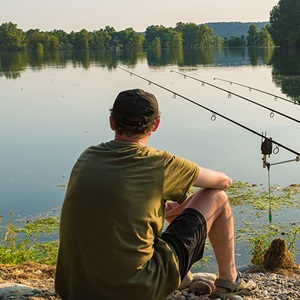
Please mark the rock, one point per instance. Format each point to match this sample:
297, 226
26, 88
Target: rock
244, 268
200, 288
16, 290
237, 297
273, 286
206, 276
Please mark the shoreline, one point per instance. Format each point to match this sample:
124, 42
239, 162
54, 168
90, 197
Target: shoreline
36, 281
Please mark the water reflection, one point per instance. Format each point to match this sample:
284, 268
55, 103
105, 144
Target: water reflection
12, 64
285, 63
286, 72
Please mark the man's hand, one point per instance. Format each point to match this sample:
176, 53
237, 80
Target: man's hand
173, 209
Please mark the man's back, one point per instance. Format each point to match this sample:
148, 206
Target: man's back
112, 220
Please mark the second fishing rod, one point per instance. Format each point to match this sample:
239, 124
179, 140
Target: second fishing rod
259, 90
273, 111
214, 113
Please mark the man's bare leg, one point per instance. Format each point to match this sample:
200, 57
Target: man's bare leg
213, 205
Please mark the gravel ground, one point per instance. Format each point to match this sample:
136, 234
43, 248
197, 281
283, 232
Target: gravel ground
39, 280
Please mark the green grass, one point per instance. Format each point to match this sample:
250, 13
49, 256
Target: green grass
37, 240
31, 242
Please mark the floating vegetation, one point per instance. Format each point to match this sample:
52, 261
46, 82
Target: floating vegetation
62, 185
35, 239
253, 231
257, 197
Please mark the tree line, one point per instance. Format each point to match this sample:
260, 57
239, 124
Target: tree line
283, 30
184, 35
285, 23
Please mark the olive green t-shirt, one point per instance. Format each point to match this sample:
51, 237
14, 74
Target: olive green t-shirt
112, 220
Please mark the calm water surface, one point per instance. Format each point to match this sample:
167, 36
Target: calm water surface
52, 110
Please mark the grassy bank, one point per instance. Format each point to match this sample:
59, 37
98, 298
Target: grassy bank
36, 240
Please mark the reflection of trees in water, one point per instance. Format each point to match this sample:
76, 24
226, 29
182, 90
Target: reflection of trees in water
260, 56
286, 72
285, 63
12, 64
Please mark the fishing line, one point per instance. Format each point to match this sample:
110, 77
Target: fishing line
273, 111
266, 145
258, 90
268, 165
266, 141
214, 113
267, 149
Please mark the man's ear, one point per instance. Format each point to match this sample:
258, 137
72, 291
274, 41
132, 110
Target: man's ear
112, 123
156, 125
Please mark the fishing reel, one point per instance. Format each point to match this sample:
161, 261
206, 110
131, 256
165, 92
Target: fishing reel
266, 149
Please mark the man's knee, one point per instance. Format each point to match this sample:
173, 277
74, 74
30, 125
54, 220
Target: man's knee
223, 196
211, 194
209, 202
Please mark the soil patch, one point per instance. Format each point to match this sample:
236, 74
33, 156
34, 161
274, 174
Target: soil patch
30, 274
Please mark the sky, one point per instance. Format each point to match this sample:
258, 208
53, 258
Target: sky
72, 15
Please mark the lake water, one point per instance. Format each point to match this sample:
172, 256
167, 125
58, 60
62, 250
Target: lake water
54, 105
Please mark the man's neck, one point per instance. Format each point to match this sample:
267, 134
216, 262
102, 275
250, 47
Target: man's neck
142, 140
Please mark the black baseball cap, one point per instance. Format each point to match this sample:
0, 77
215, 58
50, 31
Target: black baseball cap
135, 108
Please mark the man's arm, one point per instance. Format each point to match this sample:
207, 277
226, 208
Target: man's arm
206, 179
212, 179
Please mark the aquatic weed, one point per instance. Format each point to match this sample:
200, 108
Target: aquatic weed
22, 243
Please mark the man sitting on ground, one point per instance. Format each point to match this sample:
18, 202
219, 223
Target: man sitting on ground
112, 244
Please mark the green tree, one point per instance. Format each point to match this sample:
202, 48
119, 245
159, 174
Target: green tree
218, 42
12, 38
253, 36
151, 33
166, 39
140, 41
190, 34
294, 39
100, 39
235, 41
265, 39
129, 39
176, 40
195, 36
36, 37
63, 38
113, 41
206, 36
81, 39
168, 36
39, 47
285, 23
52, 42
156, 44
110, 30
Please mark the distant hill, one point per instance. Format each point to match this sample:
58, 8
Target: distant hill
229, 29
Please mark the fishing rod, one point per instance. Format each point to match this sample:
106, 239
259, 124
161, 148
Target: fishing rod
273, 111
214, 113
258, 90
267, 143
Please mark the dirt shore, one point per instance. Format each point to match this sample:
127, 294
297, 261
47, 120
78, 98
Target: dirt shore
30, 274
41, 277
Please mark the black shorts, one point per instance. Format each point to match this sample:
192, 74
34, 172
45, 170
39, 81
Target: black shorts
187, 234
